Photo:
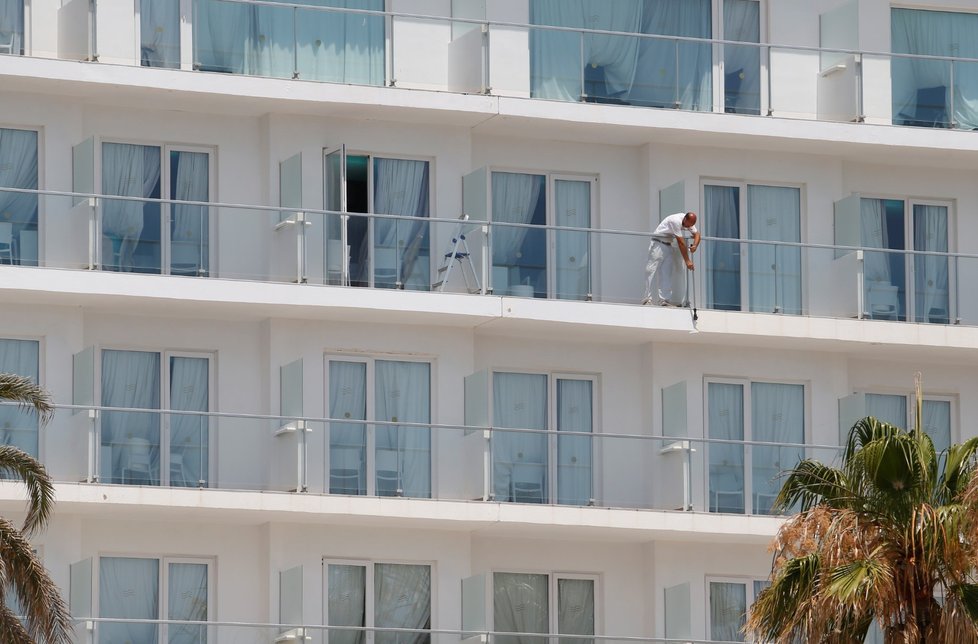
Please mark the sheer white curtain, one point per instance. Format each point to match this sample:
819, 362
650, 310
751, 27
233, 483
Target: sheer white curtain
934, 33
575, 609
346, 596
728, 611
159, 33
12, 25
519, 401
515, 198
347, 441
774, 214
190, 233
401, 188
556, 56
721, 218
341, 47
18, 169
188, 434
726, 418
244, 39
187, 600
888, 408
131, 379
872, 225
931, 271
572, 208
402, 599
128, 171
128, 589
742, 64
520, 605
656, 80
937, 423
18, 427
574, 414
777, 416
403, 394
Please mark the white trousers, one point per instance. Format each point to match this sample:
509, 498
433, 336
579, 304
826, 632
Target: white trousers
664, 263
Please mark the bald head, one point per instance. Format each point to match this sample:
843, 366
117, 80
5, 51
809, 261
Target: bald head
689, 220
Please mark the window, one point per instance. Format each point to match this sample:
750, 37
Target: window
522, 469
925, 89
149, 237
150, 448
522, 604
898, 409
18, 169
146, 588
377, 595
306, 43
382, 460
741, 63
893, 285
744, 478
729, 600
159, 33
761, 277
386, 253
18, 427
12, 27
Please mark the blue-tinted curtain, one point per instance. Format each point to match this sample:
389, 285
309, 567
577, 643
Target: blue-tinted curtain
519, 459
721, 218
937, 423
519, 253
190, 230
921, 87
622, 68
341, 47
128, 588
520, 604
159, 33
18, 427
402, 599
574, 414
403, 454
728, 611
932, 302
742, 63
774, 214
726, 417
572, 208
777, 416
888, 408
241, 38
402, 249
12, 26
131, 440
18, 210
189, 434
187, 601
347, 441
882, 226
575, 610
131, 229
346, 590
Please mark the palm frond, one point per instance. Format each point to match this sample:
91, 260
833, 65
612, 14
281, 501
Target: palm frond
26, 393
12, 631
811, 483
46, 616
40, 489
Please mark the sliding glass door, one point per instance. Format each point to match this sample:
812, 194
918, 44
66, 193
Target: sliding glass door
18, 169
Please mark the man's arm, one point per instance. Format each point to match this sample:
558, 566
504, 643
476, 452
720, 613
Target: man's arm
684, 252
696, 241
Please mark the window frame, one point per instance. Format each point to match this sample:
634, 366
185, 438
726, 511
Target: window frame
951, 399
747, 581
553, 578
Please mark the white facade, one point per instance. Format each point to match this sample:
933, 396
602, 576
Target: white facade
321, 425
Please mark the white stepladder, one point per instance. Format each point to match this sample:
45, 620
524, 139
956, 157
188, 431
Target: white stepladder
459, 251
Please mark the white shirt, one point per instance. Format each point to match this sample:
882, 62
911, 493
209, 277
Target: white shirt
671, 227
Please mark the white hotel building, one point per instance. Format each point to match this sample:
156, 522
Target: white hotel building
221, 229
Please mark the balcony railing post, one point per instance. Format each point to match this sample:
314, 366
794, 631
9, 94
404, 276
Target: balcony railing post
770, 86
777, 282
860, 89
486, 65
295, 42
94, 233
583, 63
94, 457
389, 22
344, 250
676, 102
300, 251
950, 116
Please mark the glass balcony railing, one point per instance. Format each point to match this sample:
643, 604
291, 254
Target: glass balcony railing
365, 45
350, 457
270, 244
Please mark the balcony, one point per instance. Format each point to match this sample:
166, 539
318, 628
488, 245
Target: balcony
611, 65
856, 279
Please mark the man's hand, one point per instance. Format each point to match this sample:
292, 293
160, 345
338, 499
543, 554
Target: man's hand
693, 247
689, 265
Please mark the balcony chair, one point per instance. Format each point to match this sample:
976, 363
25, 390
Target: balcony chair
138, 467
596, 88
882, 301
526, 483
335, 259
732, 81
7, 43
345, 466
385, 266
388, 473
929, 110
6, 242
178, 476
185, 258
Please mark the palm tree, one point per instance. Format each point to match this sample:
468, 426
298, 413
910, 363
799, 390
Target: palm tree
891, 536
45, 614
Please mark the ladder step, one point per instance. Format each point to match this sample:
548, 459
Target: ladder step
437, 284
